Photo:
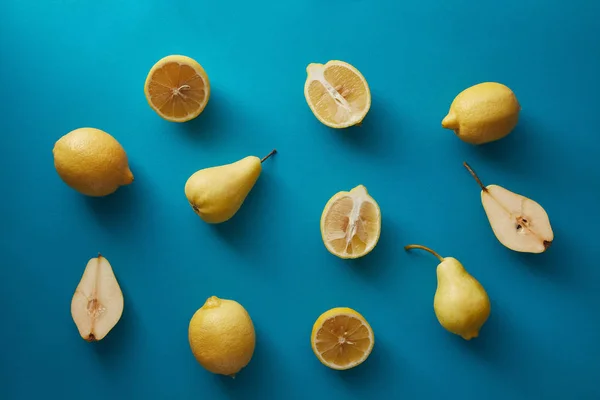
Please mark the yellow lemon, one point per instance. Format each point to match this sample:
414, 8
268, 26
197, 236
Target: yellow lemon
337, 94
342, 338
92, 162
177, 88
221, 336
483, 113
351, 223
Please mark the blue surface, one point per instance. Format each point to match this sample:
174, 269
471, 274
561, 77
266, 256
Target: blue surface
68, 63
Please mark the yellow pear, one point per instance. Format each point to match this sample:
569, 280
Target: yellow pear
461, 304
483, 113
519, 223
97, 304
217, 193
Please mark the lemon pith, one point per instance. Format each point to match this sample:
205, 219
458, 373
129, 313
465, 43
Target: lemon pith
342, 338
337, 93
351, 223
177, 88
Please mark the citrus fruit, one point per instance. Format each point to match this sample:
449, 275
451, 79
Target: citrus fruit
351, 223
337, 94
483, 113
177, 88
221, 336
342, 338
92, 162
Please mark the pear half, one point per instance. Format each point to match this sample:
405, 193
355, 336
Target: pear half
97, 304
519, 223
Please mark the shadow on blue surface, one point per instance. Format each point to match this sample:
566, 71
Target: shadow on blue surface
378, 369
208, 126
121, 209
374, 136
260, 372
240, 231
376, 265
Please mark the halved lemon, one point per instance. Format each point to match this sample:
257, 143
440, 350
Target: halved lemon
351, 223
342, 338
177, 88
337, 94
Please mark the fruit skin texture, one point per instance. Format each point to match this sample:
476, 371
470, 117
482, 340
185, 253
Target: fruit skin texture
221, 336
483, 113
358, 192
183, 60
461, 303
92, 162
217, 193
330, 314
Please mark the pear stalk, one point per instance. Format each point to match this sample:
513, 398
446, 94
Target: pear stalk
268, 155
468, 167
427, 249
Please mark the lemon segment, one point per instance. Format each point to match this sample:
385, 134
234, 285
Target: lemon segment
351, 223
177, 88
337, 94
342, 338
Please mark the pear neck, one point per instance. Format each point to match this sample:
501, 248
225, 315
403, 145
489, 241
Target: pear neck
474, 175
268, 155
427, 249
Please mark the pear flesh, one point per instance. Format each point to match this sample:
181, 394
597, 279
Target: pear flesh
461, 304
97, 304
217, 193
519, 223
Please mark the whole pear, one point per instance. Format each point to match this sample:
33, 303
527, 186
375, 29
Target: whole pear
461, 304
217, 193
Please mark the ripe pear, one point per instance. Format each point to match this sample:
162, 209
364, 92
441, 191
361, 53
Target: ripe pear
217, 193
519, 223
97, 304
461, 304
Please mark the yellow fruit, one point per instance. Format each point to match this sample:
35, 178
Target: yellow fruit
221, 336
342, 338
483, 113
177, 88
351, 223
92, 162
337, 94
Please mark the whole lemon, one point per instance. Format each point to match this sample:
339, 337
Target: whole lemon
483, 113
92, 162
221, 336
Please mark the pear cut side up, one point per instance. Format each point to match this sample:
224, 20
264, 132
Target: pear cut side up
97, 304
519, 223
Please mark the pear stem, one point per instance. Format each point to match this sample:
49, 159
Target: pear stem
268, 155
468, 167
418, 246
